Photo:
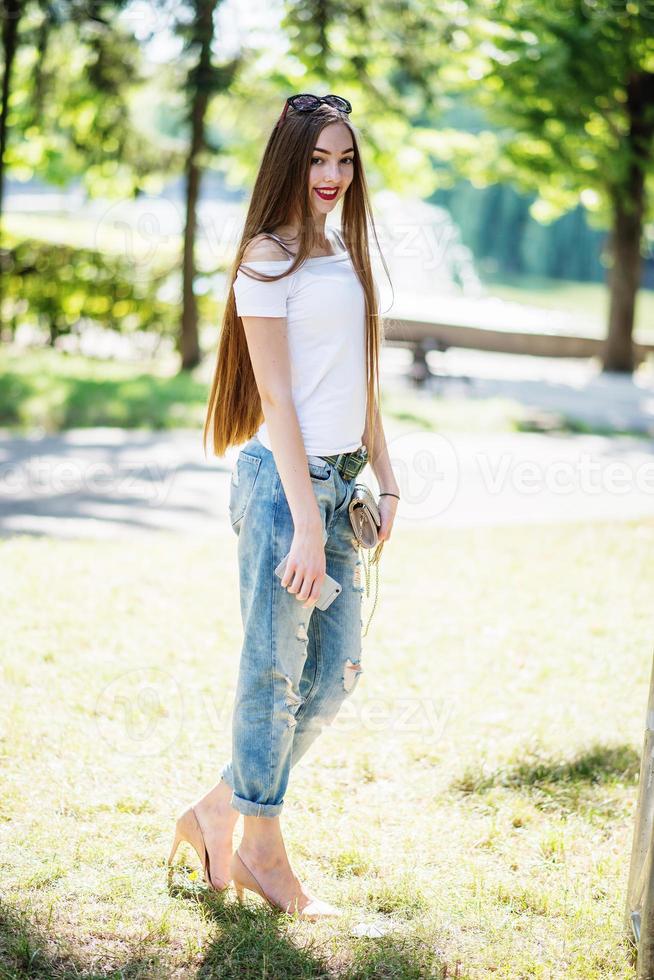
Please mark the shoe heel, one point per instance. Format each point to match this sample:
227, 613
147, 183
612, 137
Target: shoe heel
188, 829
183, 831
173, 851
243, 878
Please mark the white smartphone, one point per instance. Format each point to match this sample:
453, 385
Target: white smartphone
330, 587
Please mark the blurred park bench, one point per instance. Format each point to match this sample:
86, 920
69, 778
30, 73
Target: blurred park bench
422, 335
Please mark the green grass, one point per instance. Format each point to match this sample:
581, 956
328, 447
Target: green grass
52, 391
475, 796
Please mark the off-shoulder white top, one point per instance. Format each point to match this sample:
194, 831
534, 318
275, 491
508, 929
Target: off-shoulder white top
323, 302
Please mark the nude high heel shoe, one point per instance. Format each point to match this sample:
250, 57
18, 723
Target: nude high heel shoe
188, 828
243, 878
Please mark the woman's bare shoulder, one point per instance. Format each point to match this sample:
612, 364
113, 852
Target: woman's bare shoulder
263, 249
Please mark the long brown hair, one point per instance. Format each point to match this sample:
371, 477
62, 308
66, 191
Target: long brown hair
281, 192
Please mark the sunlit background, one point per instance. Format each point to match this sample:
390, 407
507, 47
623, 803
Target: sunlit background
474, 808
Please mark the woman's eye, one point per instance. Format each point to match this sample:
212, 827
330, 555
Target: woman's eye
315, 160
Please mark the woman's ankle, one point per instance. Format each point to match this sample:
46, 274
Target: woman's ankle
218, 800
264, 854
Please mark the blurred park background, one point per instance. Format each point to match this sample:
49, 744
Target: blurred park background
472, 809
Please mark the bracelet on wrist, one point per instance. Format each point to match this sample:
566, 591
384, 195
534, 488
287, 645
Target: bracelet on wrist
387, 493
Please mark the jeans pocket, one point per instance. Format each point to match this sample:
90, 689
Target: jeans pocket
244, 475
319, 471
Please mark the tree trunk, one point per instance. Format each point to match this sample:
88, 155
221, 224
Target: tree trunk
189, 345
624, 280
10, 12
628, 210
189, 342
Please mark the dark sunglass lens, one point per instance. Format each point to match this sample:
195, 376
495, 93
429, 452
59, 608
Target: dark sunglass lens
338, 103
304, 102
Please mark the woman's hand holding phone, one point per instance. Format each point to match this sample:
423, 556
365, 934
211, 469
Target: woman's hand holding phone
306, 566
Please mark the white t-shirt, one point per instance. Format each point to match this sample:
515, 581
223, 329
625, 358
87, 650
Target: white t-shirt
324, 305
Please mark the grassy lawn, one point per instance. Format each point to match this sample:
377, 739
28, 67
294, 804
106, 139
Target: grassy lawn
53, 391
474, 798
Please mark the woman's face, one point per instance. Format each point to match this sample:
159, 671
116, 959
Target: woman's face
332, 167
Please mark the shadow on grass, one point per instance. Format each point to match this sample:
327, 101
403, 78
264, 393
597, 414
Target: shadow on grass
248, 942
404, 959
253, 943
255, 940
558, 783
28, 950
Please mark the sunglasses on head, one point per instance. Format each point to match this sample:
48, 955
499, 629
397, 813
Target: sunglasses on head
307, 103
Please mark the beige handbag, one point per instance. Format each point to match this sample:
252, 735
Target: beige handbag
365, 520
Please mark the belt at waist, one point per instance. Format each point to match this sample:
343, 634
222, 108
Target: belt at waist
349, 464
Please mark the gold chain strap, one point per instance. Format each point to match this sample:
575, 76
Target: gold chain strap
373, 559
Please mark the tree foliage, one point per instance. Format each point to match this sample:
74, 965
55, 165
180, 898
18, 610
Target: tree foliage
558, 78
76, 69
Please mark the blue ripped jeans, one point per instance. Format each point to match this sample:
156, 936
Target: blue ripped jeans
297, 665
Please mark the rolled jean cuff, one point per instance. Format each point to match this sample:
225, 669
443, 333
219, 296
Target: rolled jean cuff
250, 809
247, 807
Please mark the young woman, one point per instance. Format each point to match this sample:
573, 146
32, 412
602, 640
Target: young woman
297, 380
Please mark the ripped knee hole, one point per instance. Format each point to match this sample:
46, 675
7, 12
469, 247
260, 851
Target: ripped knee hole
293, 702
352, 671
